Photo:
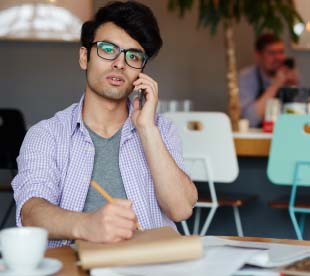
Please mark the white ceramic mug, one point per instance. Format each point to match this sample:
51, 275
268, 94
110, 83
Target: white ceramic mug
23, 248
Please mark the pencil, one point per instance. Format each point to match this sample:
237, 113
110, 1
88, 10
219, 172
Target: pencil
110, 199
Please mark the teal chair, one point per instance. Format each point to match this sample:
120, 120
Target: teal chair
289, 163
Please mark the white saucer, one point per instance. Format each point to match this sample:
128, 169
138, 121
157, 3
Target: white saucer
47, 267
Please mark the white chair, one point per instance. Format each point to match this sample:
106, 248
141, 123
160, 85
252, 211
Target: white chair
209, 154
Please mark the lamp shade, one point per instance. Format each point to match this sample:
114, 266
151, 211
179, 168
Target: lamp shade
51, 20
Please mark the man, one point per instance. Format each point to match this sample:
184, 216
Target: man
133, 153
261, 82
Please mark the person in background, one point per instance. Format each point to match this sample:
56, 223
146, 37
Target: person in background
260, 82
132, 152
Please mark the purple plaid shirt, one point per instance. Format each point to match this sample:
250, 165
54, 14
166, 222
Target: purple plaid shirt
56, 163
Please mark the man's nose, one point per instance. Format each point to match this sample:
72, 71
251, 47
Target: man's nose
280, 56
119, 63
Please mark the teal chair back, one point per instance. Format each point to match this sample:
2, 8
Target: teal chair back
289, 159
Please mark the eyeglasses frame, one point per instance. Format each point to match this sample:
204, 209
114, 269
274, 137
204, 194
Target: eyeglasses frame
121, 50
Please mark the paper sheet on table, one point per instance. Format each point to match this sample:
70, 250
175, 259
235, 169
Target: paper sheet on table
218, 261
222, 257
274, 255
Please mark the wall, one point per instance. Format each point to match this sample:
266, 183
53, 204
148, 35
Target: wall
42, 78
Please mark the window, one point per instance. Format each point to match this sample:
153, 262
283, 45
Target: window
303, 30
51, 20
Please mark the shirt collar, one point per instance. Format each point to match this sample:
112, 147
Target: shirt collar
266, 80
77, 121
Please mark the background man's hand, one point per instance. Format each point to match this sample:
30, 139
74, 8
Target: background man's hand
292, 78
286, 77
112, 223
279, 79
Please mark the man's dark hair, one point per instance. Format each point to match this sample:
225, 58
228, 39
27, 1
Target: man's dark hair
266, 39
136, 19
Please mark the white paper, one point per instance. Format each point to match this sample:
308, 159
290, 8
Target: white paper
274, 255
280, 255
217, 261
215, 241
222, 257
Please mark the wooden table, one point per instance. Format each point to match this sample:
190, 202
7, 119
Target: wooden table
254, 143
68, 257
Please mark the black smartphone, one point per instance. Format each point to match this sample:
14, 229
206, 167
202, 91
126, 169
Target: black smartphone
141, 96
289, 62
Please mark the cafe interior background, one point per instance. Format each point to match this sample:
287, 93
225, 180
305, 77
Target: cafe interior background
41, 77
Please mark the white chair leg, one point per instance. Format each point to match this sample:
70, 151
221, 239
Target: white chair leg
197, 220
208, 221
185, 228
238, 221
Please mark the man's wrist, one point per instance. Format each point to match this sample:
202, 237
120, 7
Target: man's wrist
276, 84
147, 131
78, 226
273, 89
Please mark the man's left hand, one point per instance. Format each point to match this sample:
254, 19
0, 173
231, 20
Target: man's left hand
143, 118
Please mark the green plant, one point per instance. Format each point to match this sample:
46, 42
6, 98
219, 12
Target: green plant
262, 15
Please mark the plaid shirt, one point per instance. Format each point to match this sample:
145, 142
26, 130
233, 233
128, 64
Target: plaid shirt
56, 163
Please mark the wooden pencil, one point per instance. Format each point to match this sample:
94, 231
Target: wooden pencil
110, 199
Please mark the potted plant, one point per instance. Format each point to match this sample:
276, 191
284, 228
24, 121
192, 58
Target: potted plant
263, 15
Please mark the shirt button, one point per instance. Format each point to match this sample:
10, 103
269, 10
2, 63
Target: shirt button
64, 242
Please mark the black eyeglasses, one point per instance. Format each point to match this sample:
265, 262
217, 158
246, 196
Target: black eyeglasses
133, 57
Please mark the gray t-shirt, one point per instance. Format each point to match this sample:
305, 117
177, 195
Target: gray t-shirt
106, 171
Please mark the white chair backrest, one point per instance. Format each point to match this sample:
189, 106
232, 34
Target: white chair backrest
207, 136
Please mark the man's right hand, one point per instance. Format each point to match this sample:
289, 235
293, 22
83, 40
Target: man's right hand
111, 223
279, 79
285, 77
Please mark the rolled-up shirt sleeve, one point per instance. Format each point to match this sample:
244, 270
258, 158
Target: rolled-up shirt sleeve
38, 175
173, 143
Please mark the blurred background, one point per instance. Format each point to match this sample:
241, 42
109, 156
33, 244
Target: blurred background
41, 77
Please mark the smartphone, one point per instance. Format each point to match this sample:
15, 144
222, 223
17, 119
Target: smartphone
141, 96
289, 62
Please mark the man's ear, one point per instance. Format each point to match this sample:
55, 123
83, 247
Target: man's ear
83, 58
